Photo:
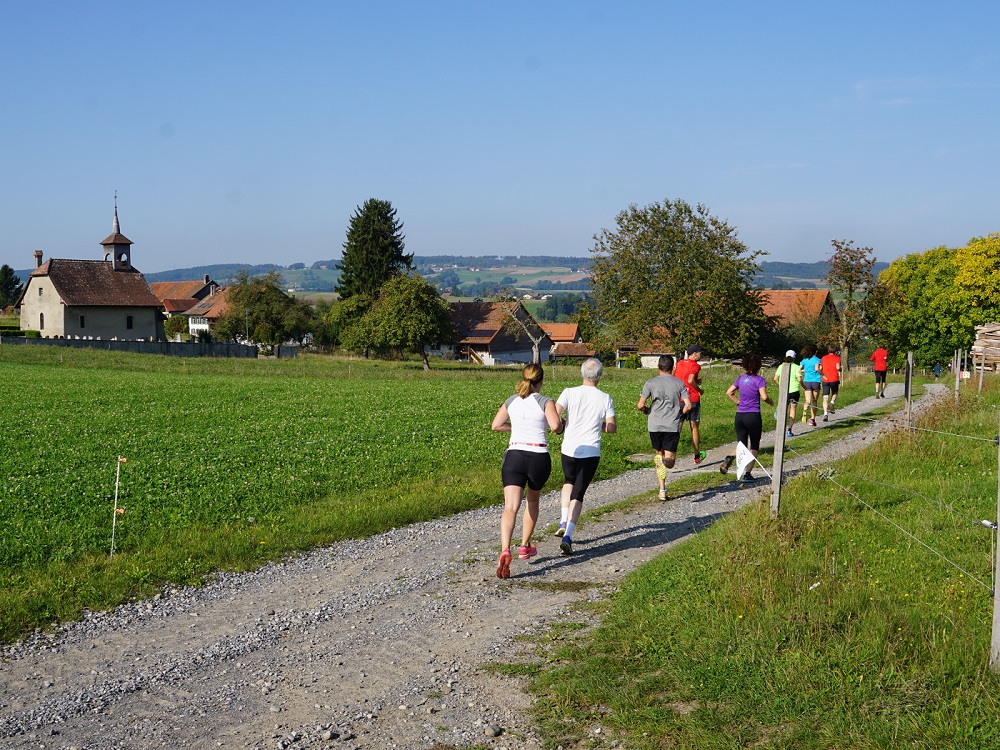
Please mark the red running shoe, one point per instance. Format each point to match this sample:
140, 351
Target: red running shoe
503, 566
527, 550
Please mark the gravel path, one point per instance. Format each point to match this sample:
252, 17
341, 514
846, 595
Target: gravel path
373, 643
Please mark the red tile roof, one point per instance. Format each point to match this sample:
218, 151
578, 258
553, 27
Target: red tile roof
95, 283
179, 305
476, 322
561, 332
212, 307
177, 289
796, 305
565, 349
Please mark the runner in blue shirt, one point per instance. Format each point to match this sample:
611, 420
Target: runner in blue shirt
811, 379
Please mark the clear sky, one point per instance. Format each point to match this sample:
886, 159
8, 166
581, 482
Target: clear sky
250, 131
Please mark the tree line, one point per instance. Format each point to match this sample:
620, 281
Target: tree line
665, 275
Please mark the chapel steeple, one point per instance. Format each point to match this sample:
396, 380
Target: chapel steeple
117, 245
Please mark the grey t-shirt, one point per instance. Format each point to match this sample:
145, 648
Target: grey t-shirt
665, 396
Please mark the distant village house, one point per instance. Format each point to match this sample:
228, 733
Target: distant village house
481, 336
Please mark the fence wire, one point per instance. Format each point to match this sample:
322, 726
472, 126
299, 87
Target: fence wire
828, 472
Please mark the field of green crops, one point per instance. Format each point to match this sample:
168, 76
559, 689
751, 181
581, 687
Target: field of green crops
231, 462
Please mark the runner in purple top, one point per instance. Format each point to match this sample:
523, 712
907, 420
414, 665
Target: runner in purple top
747, 393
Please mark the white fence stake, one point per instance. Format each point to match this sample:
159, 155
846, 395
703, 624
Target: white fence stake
117, 512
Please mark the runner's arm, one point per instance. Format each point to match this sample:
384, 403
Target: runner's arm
501, 422
553, 418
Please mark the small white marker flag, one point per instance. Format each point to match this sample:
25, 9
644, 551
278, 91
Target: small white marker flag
743, 459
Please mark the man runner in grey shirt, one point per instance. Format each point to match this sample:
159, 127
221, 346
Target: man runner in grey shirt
664, 399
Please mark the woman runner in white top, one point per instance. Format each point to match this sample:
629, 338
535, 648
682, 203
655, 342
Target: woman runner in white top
525, 415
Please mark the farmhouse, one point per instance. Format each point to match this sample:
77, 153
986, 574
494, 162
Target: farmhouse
481, 337
107, 298
800, 307
205, 313
180, 296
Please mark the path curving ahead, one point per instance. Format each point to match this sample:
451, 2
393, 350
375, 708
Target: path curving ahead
376, 643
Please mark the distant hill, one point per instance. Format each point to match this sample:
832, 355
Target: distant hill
222, 273
322, 275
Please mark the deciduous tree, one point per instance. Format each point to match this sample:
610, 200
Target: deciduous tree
174, 325
922, 307
977, 281
850, 275
373, 252
670, 272
260, 311
407, 316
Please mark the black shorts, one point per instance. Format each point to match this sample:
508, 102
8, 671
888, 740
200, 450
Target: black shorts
665, 441
880, 376
811, 385
526, 468
748, 428
793, 397
831, 388
694, 415
579, 472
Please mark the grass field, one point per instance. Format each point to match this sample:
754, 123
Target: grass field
829, 627
232, 462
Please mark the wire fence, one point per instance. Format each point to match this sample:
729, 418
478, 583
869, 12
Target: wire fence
828, 472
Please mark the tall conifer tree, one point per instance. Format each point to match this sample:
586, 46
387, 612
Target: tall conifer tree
10, 286
373, 252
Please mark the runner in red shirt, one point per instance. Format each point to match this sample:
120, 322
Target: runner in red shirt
829, 367
881, 367
689, 371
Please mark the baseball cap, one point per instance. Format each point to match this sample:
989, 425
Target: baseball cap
694, 349
790, 353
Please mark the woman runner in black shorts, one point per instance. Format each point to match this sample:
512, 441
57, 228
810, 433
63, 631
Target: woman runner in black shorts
525, 415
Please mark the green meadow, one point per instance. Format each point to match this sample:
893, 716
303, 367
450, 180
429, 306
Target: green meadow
859, 618
229, 463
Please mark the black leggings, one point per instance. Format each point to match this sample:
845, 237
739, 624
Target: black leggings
748, 428
579, 472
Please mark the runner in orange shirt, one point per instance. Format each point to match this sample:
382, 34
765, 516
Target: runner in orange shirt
689, 371
829, 367
881, 367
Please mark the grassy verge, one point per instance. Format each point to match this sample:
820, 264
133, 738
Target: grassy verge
829, 627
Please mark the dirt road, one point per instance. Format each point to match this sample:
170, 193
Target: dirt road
376, 643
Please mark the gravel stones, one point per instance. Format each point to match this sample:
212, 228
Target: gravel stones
372, 643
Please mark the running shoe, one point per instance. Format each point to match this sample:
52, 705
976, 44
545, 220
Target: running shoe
826, 418
812, 422
566, 545
789, 433
749, 478
526, 551
726, 463
561, 531
700, 456
503, 566
833, 409
662, 495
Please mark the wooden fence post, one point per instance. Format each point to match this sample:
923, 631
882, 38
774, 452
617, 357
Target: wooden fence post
779, 438
995, 639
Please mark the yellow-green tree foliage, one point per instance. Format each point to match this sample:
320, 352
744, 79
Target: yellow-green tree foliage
977, 278
920, 308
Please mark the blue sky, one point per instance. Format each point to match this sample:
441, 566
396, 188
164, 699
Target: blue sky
249, 132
